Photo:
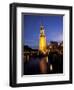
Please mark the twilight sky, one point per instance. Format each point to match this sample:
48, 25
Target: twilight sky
53, 25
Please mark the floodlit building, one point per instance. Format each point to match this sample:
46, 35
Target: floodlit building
42, 40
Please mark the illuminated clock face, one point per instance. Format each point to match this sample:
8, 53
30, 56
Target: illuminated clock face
42, 32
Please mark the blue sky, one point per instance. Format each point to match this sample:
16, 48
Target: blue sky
53, 25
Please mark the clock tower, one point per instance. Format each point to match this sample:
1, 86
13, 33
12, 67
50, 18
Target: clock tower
42, 40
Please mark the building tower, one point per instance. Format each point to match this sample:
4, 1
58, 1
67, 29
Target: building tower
42, 40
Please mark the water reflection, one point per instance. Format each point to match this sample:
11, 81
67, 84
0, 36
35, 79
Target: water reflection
51, 67
45, 65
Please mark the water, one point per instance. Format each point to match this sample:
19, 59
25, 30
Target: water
52, 64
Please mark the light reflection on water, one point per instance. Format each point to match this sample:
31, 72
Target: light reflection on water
43, 65
38, 66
